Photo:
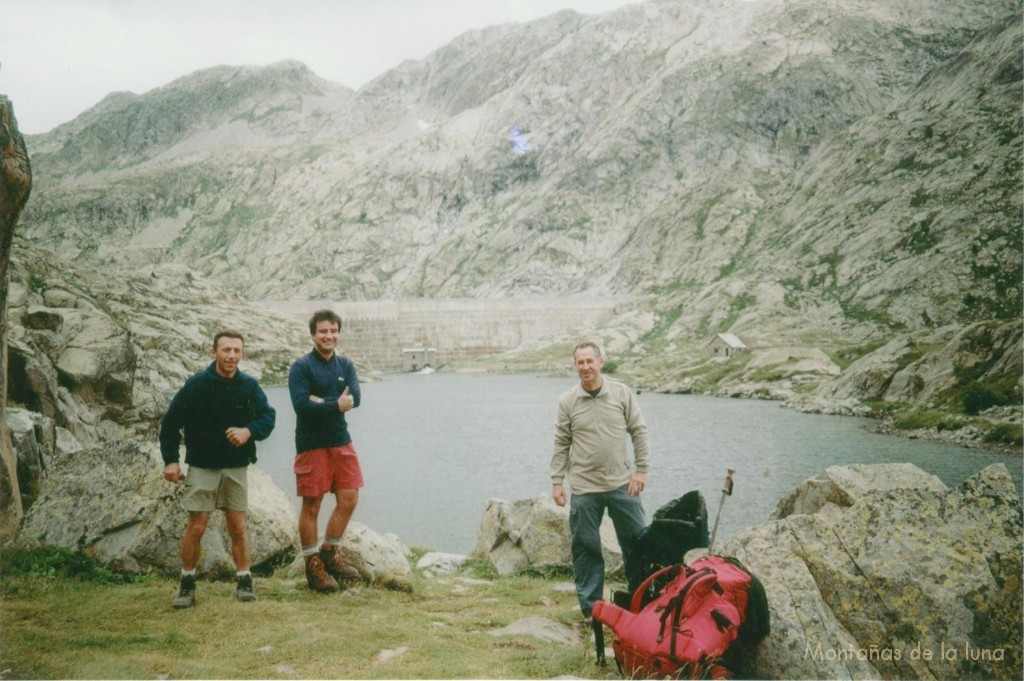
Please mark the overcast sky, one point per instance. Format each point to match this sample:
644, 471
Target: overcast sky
60, 57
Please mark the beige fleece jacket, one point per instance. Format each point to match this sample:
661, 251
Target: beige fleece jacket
590, 438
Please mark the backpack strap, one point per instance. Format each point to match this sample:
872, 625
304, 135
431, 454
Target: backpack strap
634, 605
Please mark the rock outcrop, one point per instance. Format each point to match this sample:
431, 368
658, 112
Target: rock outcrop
36, 441
878, 572
113, 503
924, 367
534, 533
15, 186
101, 356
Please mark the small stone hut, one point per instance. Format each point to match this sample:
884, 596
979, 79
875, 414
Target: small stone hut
726, 345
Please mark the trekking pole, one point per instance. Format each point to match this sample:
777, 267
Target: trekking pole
599, 643
726, 492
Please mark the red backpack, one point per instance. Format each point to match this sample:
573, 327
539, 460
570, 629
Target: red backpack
690, 623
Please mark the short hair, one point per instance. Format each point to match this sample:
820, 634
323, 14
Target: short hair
323, 316
227, 333
587, 344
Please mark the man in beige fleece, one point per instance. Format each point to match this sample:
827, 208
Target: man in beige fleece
593, 421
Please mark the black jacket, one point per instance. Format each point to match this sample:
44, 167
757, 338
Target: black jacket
205, 407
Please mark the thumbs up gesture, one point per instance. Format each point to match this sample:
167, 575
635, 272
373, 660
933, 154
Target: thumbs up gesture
345, 401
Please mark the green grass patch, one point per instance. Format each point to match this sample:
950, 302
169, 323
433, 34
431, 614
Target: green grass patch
63, 628
917, 419
55, 562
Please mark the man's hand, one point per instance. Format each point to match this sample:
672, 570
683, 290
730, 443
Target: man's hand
558, 494
346, 401
172, 472
238, 436
637, 482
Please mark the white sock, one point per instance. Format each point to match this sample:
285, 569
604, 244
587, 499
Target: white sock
188, 573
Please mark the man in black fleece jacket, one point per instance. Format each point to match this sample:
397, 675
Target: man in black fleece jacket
223, 412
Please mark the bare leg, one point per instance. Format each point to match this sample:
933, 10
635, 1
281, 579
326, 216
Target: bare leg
308, 532
336, 524
239, 539
190, 542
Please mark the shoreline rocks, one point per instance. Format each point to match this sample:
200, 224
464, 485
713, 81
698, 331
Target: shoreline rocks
886, 565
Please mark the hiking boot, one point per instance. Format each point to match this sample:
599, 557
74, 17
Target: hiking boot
186, 597
335, 565
317, 577
243, 589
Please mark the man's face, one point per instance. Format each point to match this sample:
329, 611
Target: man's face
325, 338
227, 355
589, 366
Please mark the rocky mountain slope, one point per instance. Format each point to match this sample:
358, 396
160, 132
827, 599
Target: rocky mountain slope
821, 175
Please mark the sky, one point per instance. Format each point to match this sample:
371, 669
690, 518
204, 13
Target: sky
61, 57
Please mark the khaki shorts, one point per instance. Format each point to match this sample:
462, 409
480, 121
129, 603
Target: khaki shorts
210, 488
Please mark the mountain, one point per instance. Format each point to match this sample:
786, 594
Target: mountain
826, 174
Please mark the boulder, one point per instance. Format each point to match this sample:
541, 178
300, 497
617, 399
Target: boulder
441, 563
909, 582
534, 533
842, 485
113, 503
378, 558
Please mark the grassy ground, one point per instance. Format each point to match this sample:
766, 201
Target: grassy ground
57, 627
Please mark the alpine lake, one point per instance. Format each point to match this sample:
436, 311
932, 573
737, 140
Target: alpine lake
435, 447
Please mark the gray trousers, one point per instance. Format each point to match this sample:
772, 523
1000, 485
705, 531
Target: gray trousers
585, 514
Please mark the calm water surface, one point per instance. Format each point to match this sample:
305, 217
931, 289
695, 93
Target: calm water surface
434, 448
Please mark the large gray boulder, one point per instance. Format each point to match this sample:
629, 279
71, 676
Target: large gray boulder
380, 559
843, 485
113, 503
910, 582
534, 533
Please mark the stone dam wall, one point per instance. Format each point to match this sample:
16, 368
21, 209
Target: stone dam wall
375, 333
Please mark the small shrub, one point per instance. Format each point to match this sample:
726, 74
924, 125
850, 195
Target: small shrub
976, 398
52, 561
1006, 434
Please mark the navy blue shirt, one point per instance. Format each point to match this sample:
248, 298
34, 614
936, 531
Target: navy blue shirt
205, 407
320, 424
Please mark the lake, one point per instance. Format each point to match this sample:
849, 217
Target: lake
435, 447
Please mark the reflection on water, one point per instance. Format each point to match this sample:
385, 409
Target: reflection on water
435, 448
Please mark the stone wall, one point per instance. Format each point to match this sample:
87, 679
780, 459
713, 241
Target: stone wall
374, 333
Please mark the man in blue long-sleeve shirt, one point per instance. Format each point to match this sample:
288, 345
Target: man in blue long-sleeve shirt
323, 387
223, 412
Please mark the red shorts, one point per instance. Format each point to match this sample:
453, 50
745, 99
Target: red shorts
328, 469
